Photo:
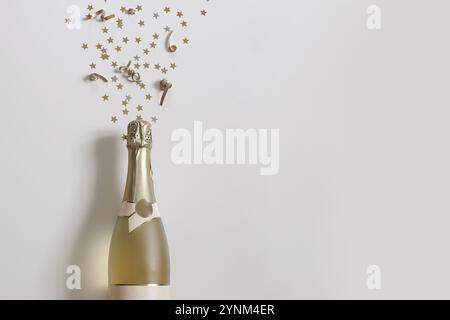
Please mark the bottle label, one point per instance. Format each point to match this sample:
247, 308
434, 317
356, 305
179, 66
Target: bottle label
138, 213
136, 292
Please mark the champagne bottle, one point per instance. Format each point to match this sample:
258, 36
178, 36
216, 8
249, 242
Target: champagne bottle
138, 255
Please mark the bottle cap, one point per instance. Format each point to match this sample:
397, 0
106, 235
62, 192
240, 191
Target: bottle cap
139, 134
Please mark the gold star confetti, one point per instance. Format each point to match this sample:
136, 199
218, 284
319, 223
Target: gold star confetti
142, 86
203, 12
139, 8
148, 97
90, 7
84, 46
141, 23
123, 9
113, 119
119, 86
173, 65
157, 66
156, 36
119, 23
137, 65
125, 102
128, 97
105, 30
163, 70
118, 49
137, 40
146, 51
154, 119
139, 118
136, 58
114, 64
110, 40
156, 15
125, 112
179, 14
92, 65
146, 65
167, 10
153, 45
139, 108
99, 46
114, 79
184, 24
185, 40
125, 40
104, 56
167, 29
105, 97
103, 50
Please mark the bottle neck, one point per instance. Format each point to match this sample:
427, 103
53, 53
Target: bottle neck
140, 177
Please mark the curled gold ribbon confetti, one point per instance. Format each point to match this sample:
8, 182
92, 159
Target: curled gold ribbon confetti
96, 76
171, 47
129, 73
100, 13
164, 85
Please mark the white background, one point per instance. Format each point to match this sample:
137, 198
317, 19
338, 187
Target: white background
364, 161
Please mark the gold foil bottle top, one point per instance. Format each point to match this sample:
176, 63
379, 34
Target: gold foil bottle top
139, 134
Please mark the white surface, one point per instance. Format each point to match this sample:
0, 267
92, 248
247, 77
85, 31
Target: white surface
364, 175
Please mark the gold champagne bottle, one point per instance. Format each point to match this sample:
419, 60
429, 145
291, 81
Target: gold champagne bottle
139, 266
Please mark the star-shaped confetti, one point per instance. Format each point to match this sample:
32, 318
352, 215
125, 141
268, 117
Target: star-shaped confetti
173, 66
105, 97
99, 46
163, 70
148, 97
157, 66
155, 36
113, 119
114, 79
110, 40
84, 46
119, 86
125, 40
203, 12
141, 23
146, 65
92, 65
185, 40
156, 15
90, 7
125, 112
139, 8
114, 64
139, 108
153, 45
184, 23
118, 48
137, 40
179, 14
154, 119
167, 10
105, 30
146, 51
138, 118
167, 29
